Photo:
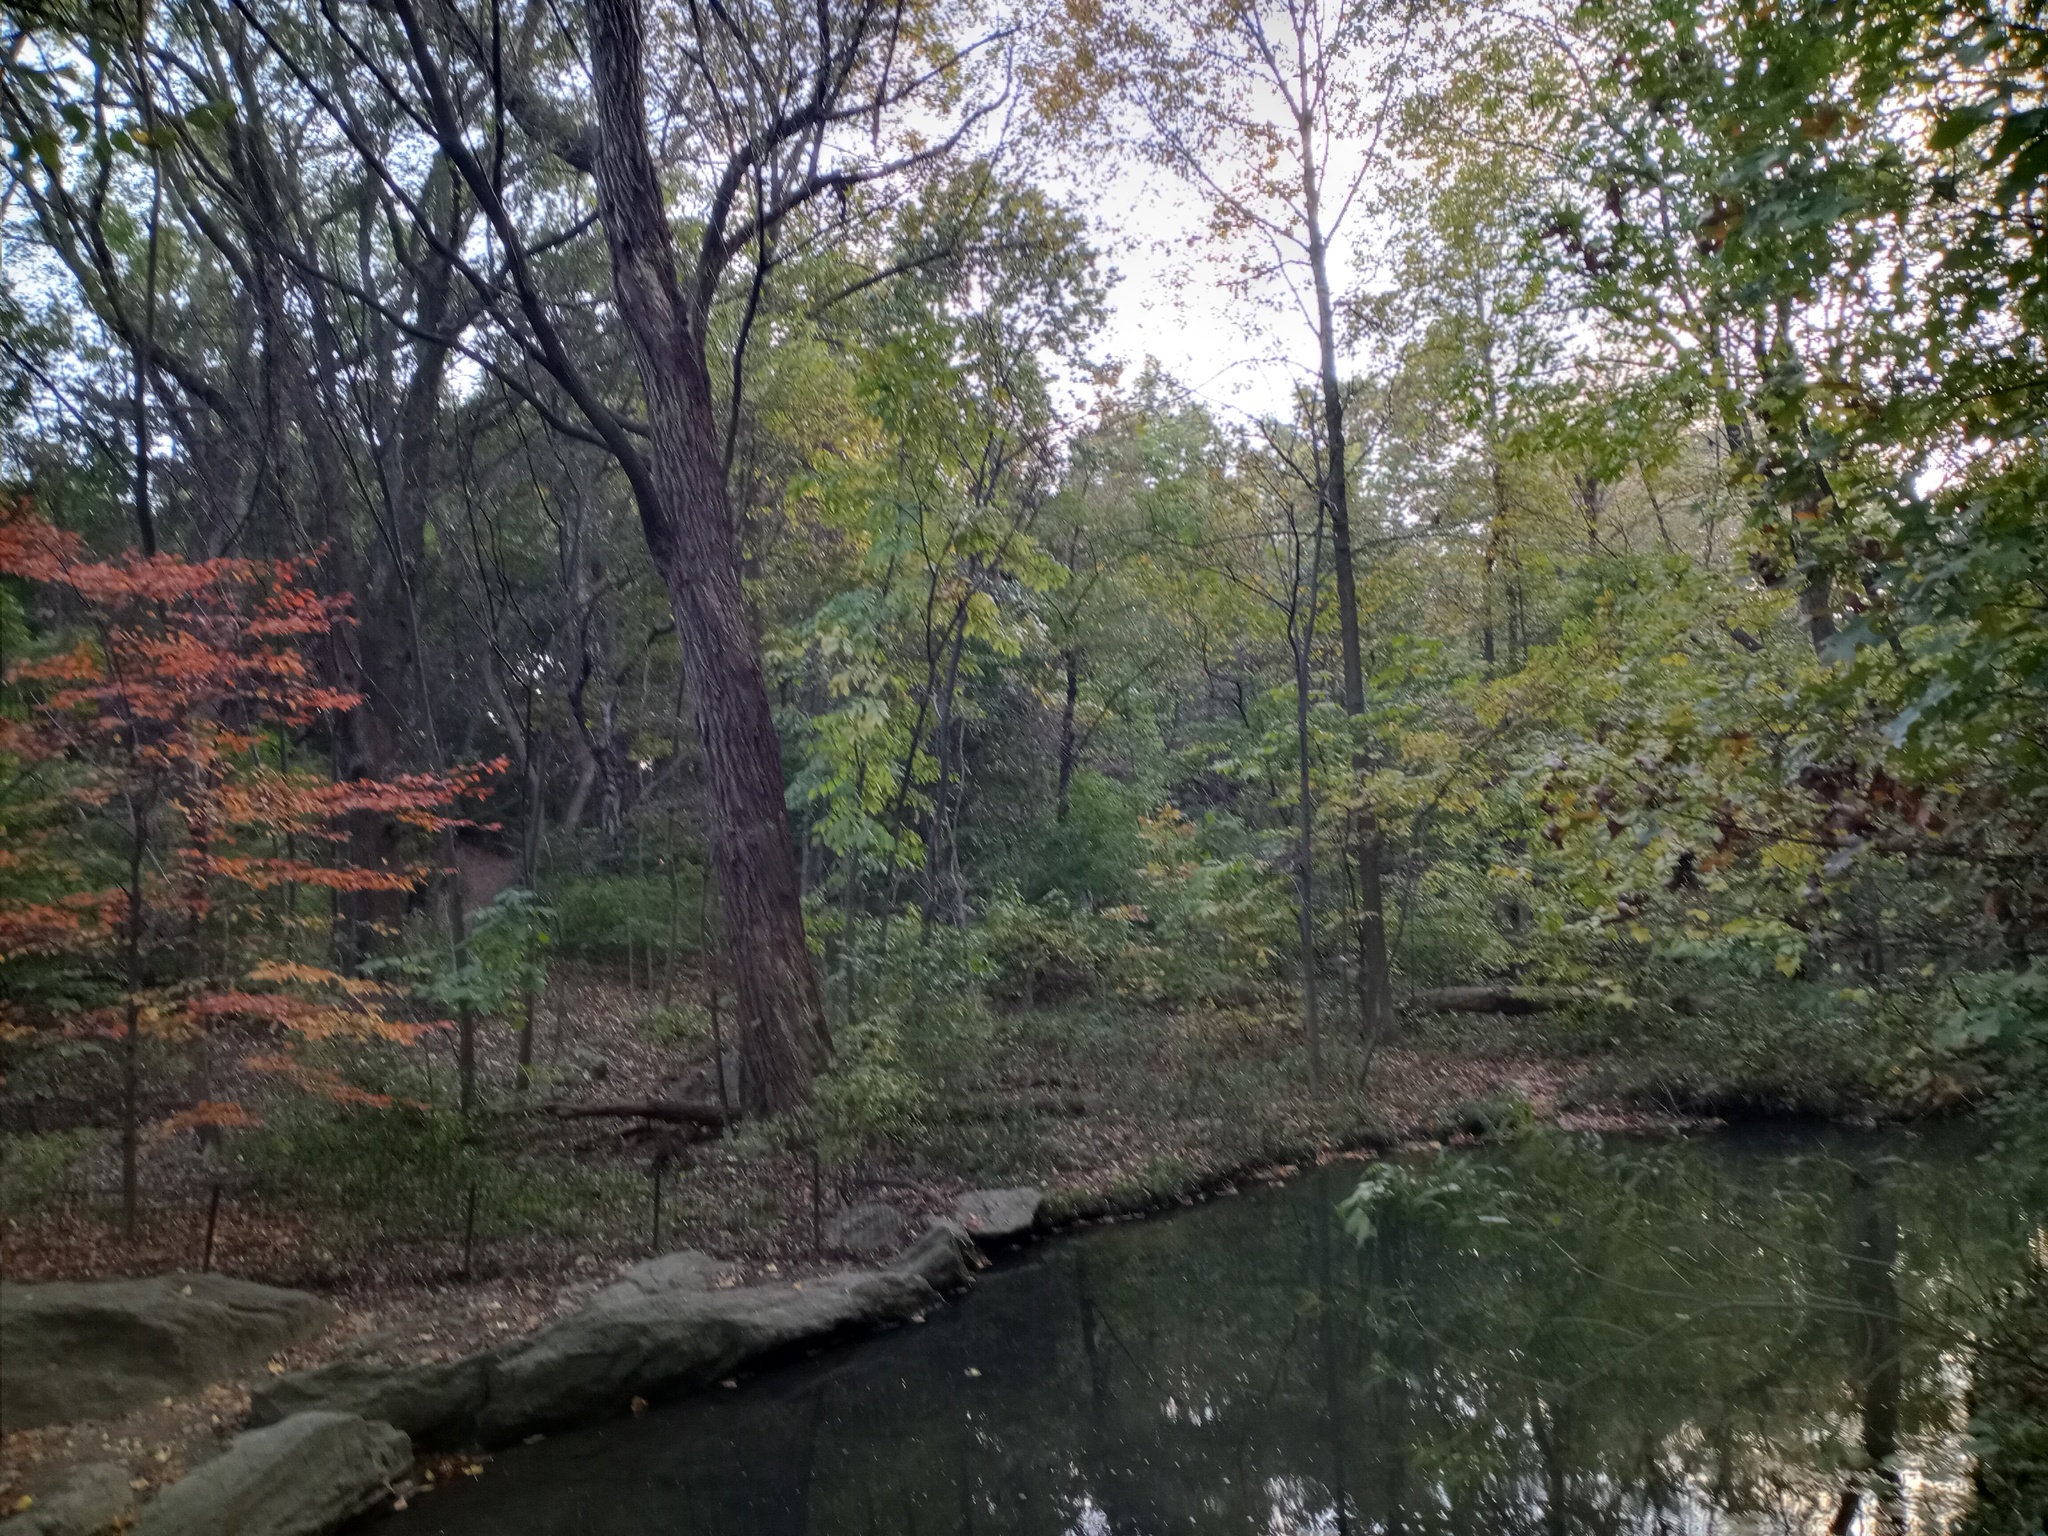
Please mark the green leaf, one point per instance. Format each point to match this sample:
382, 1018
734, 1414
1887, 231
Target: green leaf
1955, 128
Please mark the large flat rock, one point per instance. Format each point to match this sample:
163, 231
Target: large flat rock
301, 1477
436, 1404
593, 1364
868, 1231
87, 1503
653, 1333
96, 1348
684, 1270
998, 1215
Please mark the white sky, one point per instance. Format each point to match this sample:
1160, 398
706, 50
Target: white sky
1171, 301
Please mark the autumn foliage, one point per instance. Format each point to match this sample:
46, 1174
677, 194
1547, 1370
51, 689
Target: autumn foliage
169, 868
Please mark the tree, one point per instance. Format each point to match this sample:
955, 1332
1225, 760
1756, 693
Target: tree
939, 511
1277, 117
767, 94
160, 839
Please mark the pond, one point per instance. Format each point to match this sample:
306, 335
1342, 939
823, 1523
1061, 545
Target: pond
1740, 1332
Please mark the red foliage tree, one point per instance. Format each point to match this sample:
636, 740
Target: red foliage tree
157, 844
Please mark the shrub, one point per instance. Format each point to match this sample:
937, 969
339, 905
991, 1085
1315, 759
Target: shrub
597, 915
1049, 949
1094, 854
406, 1173
871, 1096
33, 1168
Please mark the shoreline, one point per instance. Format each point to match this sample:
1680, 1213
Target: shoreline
191, 1430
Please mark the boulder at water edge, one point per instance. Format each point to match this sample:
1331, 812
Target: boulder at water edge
87, 1503
869, 1231
655, 1331
998, 1215
684, 1270
90, 1349
435, 1403
298, 1478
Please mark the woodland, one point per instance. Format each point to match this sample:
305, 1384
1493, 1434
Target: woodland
598, 607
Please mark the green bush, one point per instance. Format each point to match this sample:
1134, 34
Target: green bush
871, 1097
33, 1167
1216, 930
1048, 949
1094, 854
1450, 928
597, 915
407, 1173
1207, 929
683, 1024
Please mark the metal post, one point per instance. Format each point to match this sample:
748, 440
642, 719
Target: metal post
212, 1216
468, 1230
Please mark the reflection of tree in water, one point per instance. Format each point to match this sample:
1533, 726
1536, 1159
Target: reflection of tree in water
1649, 1338
1870, 1254
1560, 1338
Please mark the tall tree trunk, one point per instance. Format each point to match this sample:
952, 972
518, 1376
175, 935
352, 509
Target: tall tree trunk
941, 864
529, 857
1375, 984
1336, 480
1494, 525
1067, 734
1310, 1017
688, 526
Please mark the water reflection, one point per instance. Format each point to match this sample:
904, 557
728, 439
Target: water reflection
1728, 1336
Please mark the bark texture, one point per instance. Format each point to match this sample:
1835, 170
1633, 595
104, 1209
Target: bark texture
689, 531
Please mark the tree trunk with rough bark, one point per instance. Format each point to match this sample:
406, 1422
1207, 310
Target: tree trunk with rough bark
689, 531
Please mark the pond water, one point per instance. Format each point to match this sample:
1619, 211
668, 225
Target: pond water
1730, 1333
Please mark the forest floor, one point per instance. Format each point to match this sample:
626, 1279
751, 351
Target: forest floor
1111, 1110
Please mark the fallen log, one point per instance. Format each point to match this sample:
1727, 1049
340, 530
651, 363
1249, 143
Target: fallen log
707, 1115
1501, 999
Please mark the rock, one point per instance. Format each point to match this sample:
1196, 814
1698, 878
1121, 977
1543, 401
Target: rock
944, 1258
867, 1231
657, 1330
594, 1363
436, 1403
998, 1215
298, 1478
92, 1349
87, 1503
440, 1403
684, 1270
